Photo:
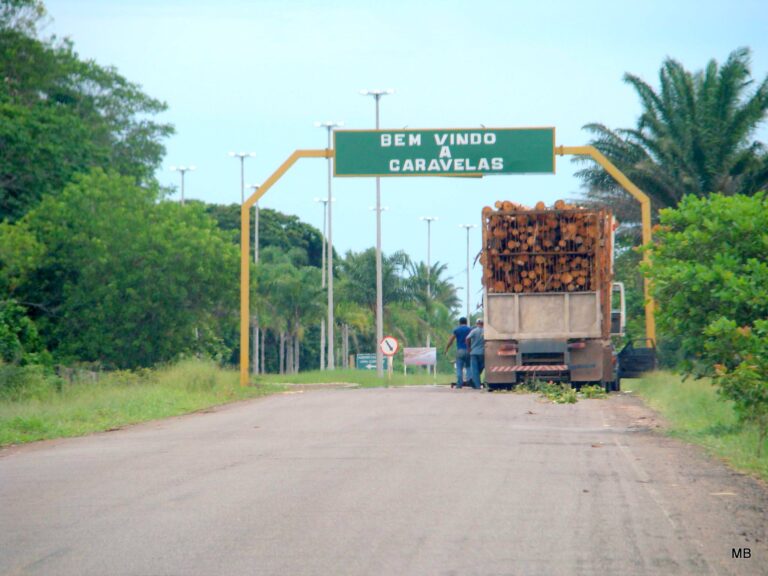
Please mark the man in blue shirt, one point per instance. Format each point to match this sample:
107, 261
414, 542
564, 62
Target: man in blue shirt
462, 354
476, 345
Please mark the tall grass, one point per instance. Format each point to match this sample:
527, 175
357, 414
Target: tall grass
697, 414
44, 406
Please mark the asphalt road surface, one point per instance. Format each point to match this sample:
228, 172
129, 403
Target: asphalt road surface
409, 481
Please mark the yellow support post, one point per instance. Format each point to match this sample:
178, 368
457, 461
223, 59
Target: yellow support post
245, 249
645, 214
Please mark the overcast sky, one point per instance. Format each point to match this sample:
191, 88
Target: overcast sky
254, 76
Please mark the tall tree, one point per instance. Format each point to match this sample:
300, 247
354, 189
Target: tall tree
283, 231
694, 136
125, 280
61, 115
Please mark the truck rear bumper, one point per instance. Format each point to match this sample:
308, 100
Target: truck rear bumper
529, 368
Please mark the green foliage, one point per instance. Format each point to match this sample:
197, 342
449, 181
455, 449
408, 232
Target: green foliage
20, 342
43, 406
276, 230
60, 115
710, 260
20, 253
626, 269
693, 137
125, 280
740, 357
21, 15
593, 392
557, 392
30, 382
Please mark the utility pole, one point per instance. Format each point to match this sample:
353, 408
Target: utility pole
324, 202
468, 227
329, 126
429, 220
182, 170
377, 94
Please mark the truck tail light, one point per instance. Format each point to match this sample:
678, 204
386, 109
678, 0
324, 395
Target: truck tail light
507, 350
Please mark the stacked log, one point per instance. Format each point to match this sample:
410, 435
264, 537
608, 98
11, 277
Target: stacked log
542, 249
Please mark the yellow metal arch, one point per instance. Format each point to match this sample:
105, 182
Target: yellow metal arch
245, 279
245, 250
645, 214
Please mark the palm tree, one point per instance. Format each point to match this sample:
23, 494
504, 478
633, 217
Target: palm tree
440, 289
289, 298
694, 136
358, 278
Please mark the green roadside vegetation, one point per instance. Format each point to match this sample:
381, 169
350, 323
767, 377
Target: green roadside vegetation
696, 413
42, 406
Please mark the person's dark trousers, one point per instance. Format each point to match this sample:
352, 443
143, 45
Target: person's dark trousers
477, 365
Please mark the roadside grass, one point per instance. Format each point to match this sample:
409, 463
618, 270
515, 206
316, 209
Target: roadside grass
697, 414
361, 378
42, 407
55, 408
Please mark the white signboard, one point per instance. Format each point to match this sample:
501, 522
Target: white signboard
420, 356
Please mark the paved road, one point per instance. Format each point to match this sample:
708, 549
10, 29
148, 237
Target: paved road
414, 481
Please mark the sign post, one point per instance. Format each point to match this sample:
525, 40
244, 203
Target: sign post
389, 347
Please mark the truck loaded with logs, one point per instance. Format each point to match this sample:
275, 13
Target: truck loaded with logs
550, 304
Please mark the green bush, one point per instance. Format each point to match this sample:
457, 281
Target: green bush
19, 383
710, 260
740, 357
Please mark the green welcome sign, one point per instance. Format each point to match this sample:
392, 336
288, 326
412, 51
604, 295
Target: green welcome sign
444, 152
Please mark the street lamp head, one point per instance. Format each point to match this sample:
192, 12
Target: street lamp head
467, 226
241, 154
428, 218
329, 124
377, 92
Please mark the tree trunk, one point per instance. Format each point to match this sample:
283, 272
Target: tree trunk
262, 366
322, 344
345, 346
281, 360
296, 350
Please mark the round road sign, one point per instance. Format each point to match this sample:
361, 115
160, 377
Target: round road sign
389, 345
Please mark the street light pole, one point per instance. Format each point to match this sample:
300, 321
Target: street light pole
468, 227
329, 126
242, 156
429, 220
254, 319
182, 170
377, 94
324, 202
256, 344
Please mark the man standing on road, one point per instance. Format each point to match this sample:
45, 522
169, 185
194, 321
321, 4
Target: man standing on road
462, 354
476, 345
